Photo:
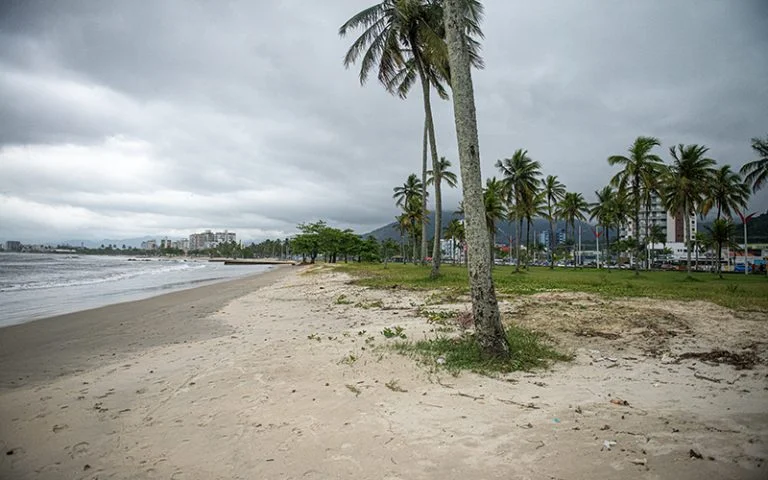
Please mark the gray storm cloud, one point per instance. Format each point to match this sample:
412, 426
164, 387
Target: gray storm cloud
131, 118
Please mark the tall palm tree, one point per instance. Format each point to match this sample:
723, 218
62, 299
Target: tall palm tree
413, 215
553, 192
490, 335
446, 175
726, 192
721, 233
493, 198
532, 207
521, 179
685, 185
410, 189
571, 208
756, 172
406, 39
640, 168
439, 171
604, 208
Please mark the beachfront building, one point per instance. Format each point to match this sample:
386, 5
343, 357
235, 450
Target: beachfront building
149, 245
209, 239
12, 246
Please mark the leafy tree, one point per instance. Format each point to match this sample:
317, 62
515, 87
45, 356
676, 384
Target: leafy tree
685, 185
756, 172
490, 335
521, 180
388, 248
640, 171
309, 241
553, 193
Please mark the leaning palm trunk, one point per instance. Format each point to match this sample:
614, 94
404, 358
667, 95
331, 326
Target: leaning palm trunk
430, 131
485, 309
424, 196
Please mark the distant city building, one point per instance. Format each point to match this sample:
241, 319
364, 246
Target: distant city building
560, 236
209, 239
543, 238
165, 243
12, 246
182, 244
149, 245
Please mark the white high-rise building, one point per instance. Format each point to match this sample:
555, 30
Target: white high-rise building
672, 226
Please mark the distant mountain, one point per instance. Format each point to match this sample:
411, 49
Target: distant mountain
504, 229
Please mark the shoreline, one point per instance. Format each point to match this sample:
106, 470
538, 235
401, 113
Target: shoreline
42, 349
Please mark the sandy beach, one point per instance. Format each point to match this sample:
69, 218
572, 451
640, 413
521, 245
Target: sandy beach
274, 377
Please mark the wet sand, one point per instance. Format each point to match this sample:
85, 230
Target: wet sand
41, 350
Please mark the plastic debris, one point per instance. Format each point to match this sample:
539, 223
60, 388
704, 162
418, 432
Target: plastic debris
639, 461
618, 401
440, 360
607, 444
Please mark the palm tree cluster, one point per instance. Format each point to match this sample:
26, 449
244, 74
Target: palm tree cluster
689, 185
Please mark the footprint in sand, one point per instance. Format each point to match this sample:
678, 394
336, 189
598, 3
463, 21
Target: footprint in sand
79, 449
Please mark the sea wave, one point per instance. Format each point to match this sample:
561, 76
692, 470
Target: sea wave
112, 277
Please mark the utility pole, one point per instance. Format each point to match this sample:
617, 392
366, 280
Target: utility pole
744, 221
579, 254
597, 244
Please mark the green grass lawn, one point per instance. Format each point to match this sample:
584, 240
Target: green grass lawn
739, 292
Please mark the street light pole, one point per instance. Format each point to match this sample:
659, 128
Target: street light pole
744, 221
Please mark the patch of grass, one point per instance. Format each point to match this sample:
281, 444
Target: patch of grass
529, 350
397, 331
343, 300
437, 316
740, 292
368, 305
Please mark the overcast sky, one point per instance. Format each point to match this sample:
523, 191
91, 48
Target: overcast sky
123, 119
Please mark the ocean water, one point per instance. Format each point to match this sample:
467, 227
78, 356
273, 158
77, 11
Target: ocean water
34, 286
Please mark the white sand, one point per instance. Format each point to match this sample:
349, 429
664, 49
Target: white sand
265, 401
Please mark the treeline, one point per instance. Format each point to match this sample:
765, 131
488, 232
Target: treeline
333, 245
